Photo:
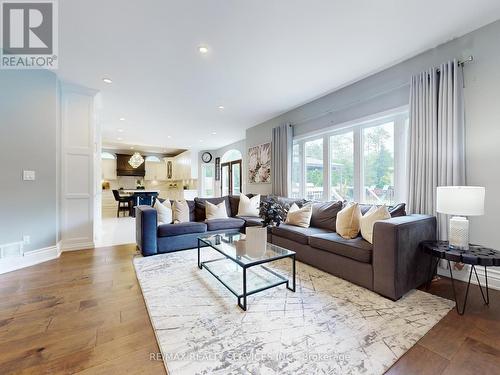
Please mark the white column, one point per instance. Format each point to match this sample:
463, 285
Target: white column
78, 148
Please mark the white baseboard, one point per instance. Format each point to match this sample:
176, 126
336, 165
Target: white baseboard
30, 258
463, 275
77, 246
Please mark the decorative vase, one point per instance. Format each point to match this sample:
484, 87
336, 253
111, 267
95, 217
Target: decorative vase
256, 241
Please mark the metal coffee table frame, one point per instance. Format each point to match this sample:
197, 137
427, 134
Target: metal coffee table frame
243, 296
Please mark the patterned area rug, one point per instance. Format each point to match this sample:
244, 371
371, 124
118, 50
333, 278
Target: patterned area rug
328, 326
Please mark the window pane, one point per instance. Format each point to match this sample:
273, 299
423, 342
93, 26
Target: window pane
208, 171
296, 171
314, 169
225, 180
342, 166
378, 164
236, 172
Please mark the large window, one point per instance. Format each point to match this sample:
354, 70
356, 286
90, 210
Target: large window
342, 166
363, 162
296, 171
378, 164
314, 169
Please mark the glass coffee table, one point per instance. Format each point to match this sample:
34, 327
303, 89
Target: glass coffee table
242, 271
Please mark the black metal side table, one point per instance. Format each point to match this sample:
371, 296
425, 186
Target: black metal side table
475, 256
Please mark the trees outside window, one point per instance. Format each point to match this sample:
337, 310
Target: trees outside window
364, 162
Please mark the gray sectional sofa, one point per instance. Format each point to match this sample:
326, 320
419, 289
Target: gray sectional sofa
391, 266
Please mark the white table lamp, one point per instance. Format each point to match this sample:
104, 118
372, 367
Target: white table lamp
460, 201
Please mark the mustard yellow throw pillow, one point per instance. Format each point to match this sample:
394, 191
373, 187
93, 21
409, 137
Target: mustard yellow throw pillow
347, 225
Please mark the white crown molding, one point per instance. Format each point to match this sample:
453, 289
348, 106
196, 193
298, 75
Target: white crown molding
30, 258
463, 275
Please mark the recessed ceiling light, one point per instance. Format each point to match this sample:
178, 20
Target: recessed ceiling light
203, 50
120, 138
214, 133
169, 136
221, 107
201, 140
107, 80
131, 147
119, 130
122, 118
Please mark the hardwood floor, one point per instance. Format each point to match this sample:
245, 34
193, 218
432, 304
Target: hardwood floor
84, 313
467, 344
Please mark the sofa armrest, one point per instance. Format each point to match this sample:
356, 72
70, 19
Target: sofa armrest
398, 264
146, 223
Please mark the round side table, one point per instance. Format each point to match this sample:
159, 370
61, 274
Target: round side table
476, 256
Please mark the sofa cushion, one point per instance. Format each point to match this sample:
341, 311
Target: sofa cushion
228, 223
395, 211
234, 202
356, 248
300, 217
168, 230
199, 209
297, 234
368, 220
180, 212
215, 211
249, 206
324, 214
251, 221
190, 204
289, 201
347, 224
398, 210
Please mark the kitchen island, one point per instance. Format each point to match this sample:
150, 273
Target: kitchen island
139, 197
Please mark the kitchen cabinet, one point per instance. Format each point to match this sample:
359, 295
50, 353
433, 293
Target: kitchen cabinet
155, 171
169, 168
186, 166
108, 169
181, 167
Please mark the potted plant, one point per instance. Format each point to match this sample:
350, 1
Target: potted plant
273, 212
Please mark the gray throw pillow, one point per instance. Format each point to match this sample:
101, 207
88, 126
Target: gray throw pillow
324, 214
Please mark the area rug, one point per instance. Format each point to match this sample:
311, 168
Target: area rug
328, 326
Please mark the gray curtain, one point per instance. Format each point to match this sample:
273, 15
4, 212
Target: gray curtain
282, 159
436, 138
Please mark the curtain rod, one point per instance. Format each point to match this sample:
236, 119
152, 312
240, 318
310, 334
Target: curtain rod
461, 62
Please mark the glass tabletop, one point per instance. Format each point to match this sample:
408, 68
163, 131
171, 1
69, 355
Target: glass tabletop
233, 246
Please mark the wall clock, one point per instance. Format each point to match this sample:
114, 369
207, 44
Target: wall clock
206, 157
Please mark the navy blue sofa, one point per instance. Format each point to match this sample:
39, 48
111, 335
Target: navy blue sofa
155, 239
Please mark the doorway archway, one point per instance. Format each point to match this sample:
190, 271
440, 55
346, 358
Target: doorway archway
231, 172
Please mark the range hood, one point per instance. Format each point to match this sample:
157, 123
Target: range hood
123, 168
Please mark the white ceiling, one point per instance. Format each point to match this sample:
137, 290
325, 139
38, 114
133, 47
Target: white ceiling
265, 57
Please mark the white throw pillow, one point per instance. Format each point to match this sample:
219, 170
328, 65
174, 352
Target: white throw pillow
249, 206
213, 211
367, 221
164, 211
180, 211
300, 217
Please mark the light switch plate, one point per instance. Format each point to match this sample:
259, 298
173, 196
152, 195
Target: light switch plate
29, 175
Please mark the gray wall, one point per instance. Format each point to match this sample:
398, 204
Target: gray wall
390, 89
240, 146
28, 118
